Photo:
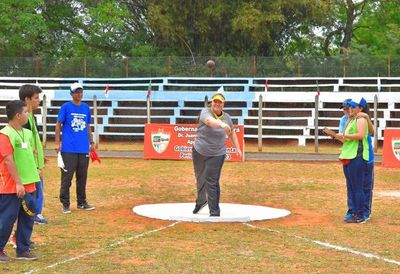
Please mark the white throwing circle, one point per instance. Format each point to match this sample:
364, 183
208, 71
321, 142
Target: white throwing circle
229, 212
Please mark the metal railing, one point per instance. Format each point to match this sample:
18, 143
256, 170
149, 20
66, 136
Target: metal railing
178, 66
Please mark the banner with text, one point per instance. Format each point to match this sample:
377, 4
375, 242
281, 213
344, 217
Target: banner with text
175, 142
391, 148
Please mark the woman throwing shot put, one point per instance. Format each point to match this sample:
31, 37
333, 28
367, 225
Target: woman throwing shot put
209, 153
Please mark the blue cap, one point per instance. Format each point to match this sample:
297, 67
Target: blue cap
358, 102
345, 103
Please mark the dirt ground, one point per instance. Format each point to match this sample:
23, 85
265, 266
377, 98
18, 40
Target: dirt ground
114, 239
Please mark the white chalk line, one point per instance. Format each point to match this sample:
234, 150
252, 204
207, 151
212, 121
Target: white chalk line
331, 246
103, 248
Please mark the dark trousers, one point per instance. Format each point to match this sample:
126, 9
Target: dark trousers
39, 197
368, 189
355, 172
10, 211
74, 163
207, 170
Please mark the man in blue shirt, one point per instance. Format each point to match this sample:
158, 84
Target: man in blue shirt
74, 119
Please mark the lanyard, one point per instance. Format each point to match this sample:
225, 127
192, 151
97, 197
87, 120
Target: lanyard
22, 137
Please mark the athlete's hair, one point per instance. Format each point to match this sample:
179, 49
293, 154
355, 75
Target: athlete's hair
13, 108
27, 91
366, 109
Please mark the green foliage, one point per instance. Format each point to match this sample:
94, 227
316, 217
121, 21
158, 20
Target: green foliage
379, 32
62, 33
90, 28
238, 28
22, 28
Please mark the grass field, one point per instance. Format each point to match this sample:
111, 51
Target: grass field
112, 239
280, 146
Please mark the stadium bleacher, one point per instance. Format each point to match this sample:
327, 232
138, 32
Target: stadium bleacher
288, 105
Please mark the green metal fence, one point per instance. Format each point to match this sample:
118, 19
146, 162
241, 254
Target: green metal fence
253, 66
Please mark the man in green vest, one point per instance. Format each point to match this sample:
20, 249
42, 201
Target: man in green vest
30, 95
18, 175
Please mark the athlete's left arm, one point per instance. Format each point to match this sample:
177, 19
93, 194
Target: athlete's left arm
235, 141
92, 144
89, 131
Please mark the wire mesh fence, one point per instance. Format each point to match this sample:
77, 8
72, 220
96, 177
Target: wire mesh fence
178, 66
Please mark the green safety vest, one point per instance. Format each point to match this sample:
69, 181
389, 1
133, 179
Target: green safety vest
39, 156
22, 143
350, 147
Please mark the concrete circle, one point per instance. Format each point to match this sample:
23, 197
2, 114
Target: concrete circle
229, 212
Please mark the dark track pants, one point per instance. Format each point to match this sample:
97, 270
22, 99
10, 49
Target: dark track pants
368, 189
39, 197
74, 163
207, 170
10, 211
355, 173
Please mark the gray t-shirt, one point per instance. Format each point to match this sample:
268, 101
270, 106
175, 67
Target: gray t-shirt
211, 141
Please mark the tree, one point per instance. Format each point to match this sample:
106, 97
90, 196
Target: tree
117, 28
94, 27
340, 25
22, 28
379, 32
232, 27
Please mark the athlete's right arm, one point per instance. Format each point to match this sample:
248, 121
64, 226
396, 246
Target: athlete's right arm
9, 161
216, 123
210, 121
57, 137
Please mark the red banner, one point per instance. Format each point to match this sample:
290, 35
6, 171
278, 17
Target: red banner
391, 148
175, 142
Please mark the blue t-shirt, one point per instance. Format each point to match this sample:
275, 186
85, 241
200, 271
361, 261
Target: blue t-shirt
342, 123
75, 121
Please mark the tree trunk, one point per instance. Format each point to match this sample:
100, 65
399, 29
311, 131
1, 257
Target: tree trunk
349, 27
